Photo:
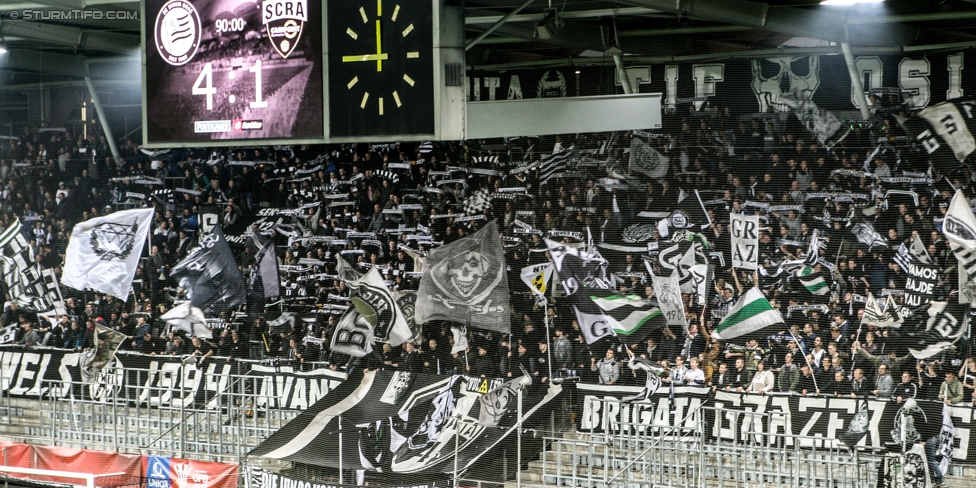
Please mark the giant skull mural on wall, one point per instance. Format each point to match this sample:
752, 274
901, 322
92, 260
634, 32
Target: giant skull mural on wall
772, 77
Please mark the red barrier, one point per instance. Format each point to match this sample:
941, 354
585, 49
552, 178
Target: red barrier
159, 471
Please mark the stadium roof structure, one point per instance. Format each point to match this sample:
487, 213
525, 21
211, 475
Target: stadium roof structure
59, 43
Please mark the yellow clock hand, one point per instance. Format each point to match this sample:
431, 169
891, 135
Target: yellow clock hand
379, 45
365, 57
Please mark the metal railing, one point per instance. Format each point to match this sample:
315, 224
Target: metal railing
145, 418
708, 446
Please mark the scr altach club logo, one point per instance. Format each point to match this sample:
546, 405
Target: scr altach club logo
177, 32
284, 21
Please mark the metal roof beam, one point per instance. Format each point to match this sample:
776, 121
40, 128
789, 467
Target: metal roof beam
578, 14
44, 62
71, 36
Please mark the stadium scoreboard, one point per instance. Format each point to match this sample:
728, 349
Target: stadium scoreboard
232, 72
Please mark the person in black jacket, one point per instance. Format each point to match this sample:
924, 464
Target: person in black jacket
411, 361
482, 365
807, 384
906, 389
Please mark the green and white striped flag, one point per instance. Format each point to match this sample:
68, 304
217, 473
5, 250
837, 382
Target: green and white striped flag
628, 315
813, 281
751, 316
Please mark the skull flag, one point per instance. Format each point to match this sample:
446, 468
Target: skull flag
464, 282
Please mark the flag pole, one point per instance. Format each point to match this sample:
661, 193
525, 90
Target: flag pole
805, 358
545, 320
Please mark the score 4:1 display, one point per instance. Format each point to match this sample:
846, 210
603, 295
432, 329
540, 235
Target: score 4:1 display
204, 85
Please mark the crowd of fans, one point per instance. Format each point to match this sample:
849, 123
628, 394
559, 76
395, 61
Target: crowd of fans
51, 181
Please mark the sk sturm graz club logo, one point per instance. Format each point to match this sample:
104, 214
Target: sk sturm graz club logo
177, 32
111, 240
284, 21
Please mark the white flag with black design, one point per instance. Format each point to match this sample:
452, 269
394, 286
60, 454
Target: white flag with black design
189, 319
536, 277
667, 289
353, 335
744, 233
959, 228
104, 252
888, 316
946, 437
646, 160
460, 335
866, 234
375, 303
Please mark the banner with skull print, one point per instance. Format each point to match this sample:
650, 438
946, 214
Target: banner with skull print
465, 282
104, 252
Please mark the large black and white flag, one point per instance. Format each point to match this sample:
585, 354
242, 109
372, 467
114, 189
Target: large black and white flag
866, 234
376, 305
189, 319
353, 335
823, 124
104, 252
646, 160
264, 281
878, 315
668, 293
210, 275
959, 228
946, 323
578, 270
465, 282
745, 241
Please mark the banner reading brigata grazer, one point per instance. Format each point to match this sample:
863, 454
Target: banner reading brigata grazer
819, 419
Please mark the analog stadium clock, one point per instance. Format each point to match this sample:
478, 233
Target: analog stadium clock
380, 58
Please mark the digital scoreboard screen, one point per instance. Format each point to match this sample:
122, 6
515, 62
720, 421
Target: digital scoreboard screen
220, 70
